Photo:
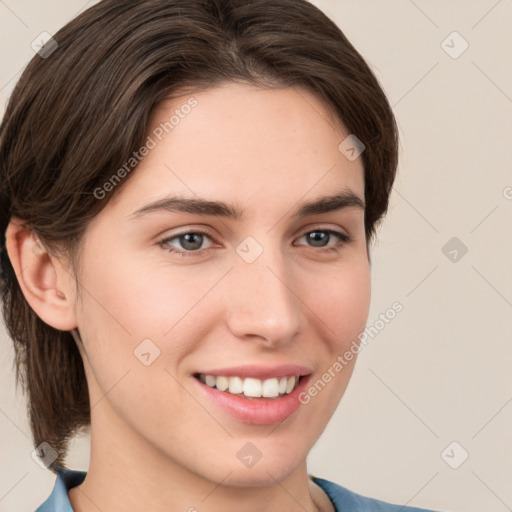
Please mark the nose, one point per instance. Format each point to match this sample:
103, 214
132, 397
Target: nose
262, 304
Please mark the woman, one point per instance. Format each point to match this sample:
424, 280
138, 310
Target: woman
189, 193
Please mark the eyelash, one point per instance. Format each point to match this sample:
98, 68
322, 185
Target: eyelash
343, 239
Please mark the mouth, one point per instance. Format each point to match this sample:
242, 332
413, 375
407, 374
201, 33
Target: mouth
254, 395
251, 387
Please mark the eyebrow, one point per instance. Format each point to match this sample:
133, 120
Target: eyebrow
343, 199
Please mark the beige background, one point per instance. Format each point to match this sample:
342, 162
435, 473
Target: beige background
440, 371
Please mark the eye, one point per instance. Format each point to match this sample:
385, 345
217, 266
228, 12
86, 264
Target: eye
321, 237
190, 241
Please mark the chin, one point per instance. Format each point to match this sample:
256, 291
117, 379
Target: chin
265, 476
274, 465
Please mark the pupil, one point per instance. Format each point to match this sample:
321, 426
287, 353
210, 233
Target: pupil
188, 237
318, 236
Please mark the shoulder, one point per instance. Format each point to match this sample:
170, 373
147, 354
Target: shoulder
58, 500
349, 501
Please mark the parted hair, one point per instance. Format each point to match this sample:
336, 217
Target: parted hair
79, 111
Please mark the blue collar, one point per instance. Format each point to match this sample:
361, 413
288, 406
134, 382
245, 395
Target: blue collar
58, 500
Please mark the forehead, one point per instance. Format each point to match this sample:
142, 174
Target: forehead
243, 143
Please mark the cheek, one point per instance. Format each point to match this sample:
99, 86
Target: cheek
127, 303
340, 303
340, 299
136, 300
123, 306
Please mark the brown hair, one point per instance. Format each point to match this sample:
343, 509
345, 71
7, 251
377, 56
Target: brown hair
78, 114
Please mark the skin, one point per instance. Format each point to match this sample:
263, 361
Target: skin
155, 442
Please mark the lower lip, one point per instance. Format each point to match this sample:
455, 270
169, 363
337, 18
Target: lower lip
256, 411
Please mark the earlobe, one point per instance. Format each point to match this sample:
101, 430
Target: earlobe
40, 277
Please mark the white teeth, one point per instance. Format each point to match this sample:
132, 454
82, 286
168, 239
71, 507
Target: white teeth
290, 385
221, 383
251, 387
236, 385
270, 388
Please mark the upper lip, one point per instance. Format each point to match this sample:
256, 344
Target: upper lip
259, 372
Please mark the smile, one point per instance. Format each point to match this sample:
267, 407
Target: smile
251, 387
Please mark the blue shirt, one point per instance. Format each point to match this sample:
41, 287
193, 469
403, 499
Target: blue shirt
343, 499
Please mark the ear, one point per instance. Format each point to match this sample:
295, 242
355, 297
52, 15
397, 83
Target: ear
45, 283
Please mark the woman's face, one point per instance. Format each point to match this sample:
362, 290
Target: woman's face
179, 295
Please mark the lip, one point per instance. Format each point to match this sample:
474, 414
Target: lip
259, 372
255, 411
